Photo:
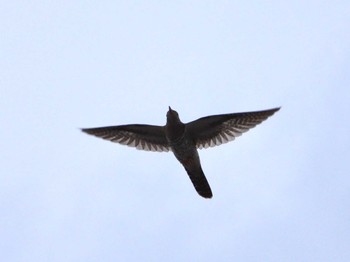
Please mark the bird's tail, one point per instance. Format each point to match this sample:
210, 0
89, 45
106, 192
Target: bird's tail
200, 183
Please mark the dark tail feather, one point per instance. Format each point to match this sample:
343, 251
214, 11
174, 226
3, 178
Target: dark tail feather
200, 183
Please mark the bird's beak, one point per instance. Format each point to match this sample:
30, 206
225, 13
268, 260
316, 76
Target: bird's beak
170, 108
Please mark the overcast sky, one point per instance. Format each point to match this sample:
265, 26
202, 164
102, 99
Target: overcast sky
281, 191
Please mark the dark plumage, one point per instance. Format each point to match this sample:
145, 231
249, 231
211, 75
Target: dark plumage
184, 139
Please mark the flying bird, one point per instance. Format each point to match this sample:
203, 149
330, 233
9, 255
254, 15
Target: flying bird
183, 139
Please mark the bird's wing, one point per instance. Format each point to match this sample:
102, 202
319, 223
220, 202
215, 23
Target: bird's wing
218, 129
143, 137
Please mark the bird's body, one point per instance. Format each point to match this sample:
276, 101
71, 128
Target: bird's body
184, 148
184, 139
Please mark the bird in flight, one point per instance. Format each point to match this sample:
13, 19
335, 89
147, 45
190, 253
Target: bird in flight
183, 139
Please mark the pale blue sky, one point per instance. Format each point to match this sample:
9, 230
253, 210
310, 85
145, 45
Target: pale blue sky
281, 191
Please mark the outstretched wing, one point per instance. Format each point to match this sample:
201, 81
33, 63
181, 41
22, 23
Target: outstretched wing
143, 137
218, 129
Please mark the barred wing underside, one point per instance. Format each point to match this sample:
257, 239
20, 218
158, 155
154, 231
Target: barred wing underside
143, 137
219, 129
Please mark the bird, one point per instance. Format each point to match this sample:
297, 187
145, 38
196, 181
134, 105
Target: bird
183, 139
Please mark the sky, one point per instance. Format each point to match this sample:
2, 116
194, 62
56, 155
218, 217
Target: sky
281, 191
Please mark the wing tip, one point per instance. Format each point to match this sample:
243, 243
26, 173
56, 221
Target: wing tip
275, 109
86, 130
271, 111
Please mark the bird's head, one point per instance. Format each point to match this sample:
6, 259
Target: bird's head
172, 116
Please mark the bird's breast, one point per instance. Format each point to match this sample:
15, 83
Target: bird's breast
184, 149
175, 133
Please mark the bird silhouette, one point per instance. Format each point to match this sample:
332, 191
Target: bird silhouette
183, 139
